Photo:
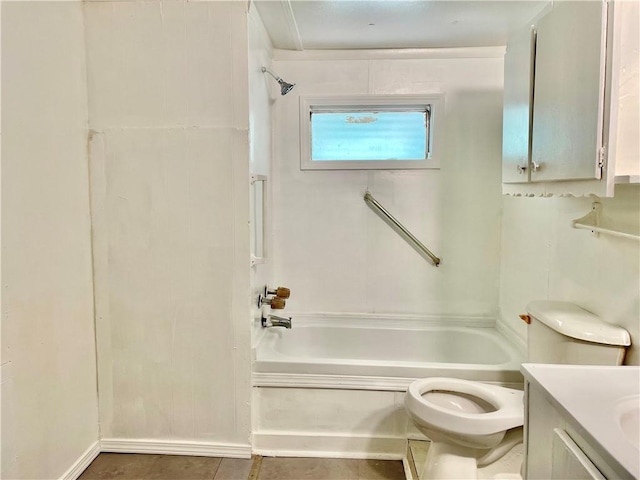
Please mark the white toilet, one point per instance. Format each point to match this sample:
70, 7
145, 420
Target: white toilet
472, 424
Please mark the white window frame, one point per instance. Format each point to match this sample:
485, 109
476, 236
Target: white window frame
308, 104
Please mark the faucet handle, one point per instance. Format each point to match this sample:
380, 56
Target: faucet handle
276, 303
282, 292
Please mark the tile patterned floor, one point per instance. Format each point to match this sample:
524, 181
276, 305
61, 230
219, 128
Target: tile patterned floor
172, 467
165, 467
282, 468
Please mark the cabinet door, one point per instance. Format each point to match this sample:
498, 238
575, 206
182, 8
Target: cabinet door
568, 460
569, 92
518, 96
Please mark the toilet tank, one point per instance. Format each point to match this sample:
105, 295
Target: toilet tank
562, 332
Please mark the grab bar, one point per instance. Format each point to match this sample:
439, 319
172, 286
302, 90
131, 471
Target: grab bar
387, 217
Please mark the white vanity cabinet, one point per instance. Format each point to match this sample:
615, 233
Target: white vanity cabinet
571, 430
552, 451
567, 75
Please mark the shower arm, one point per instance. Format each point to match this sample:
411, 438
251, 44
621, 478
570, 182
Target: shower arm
264, 70
285, 87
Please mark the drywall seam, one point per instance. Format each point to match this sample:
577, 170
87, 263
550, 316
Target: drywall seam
90, 137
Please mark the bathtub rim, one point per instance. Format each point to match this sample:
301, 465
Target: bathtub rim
268, 376
350, 382
402, 320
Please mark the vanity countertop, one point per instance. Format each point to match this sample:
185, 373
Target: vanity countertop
593, 399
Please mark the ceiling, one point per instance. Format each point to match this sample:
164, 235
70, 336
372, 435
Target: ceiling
359, 24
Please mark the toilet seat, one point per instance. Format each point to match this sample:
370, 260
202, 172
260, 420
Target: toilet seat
508, 403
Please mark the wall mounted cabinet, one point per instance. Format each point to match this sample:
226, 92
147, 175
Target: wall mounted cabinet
564, 75
517, 112
569, 92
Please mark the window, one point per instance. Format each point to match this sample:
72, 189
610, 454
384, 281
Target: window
374, 132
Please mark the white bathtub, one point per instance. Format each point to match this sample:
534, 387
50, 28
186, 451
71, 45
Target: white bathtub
382, 355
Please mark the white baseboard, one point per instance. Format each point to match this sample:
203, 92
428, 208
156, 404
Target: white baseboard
82, 463
171, 447
277, 444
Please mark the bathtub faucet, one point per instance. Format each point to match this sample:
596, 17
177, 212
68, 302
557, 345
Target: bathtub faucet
276, 321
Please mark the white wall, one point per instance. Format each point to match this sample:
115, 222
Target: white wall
626, 81
261, 97
49, 399
544, 258
169, 178
333, 251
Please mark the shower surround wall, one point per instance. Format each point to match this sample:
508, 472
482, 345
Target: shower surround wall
169, 177
49, 401
338, 256
333, 251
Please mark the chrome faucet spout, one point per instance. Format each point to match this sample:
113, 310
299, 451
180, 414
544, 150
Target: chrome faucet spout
276, 321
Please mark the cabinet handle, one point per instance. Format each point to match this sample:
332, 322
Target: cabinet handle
521, 169
535, 166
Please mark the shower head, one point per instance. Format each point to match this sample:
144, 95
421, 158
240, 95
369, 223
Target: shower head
284, 86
